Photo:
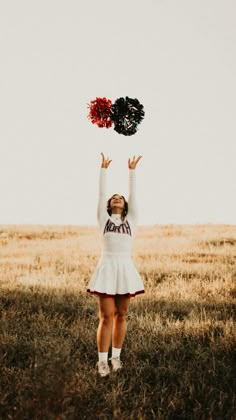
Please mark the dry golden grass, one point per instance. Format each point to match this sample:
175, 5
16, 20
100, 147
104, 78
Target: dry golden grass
181, 333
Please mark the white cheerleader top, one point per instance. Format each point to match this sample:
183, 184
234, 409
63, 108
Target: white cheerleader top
117, 235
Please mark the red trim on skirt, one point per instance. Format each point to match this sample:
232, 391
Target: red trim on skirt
94, 292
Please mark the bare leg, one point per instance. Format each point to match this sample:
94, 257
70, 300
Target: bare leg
119, 325
106, 315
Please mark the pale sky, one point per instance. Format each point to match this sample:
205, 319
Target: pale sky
178, 58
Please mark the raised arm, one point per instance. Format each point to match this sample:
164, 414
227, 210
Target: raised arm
102, 203
132, 210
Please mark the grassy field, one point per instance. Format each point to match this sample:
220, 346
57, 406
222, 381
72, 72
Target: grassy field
179, 353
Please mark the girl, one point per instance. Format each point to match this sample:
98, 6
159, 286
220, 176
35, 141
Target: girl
115, 279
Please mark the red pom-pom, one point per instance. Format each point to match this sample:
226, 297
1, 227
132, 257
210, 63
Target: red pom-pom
99, 112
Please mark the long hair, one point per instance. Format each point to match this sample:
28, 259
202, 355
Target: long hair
124, 211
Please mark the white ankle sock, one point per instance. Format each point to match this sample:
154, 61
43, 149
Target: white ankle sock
103, 357
115, 352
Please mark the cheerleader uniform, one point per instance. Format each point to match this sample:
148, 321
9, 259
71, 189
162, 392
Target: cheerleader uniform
115, 273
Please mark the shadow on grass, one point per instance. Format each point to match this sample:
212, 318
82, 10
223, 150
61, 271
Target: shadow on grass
48, 356
181, 309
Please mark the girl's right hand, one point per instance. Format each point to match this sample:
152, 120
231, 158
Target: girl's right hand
105, 162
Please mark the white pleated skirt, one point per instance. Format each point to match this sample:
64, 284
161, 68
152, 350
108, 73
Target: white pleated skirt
114, 275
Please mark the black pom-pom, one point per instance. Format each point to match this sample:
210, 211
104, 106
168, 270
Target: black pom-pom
126, 114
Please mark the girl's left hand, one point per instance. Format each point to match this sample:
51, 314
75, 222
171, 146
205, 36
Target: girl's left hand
132, 163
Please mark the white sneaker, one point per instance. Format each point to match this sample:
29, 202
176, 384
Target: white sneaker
103, 369
116, 363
